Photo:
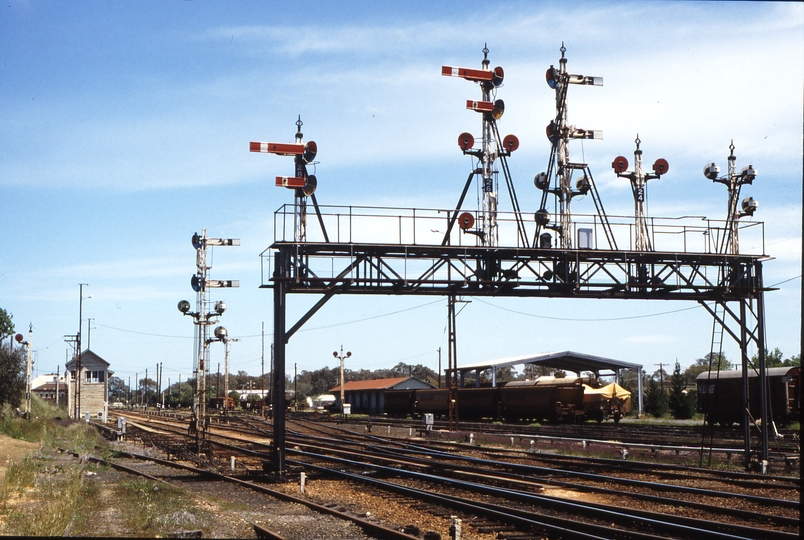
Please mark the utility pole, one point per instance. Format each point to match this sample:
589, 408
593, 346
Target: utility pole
661, 374
78, 350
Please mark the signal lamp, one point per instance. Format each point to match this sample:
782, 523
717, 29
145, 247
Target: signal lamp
310, 183
497, 77
220, 307
548, 275
221, 333
582, 185
498, 110
19, 338
541, 181
465, 141
749, 206
511, 143
552, 132
196, 283
660, 166
552, 77
748, 173
197, 241
711, 171
184, 306
542, 217
620, 164
310, 151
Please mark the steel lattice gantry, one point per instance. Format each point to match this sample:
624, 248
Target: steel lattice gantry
729, 286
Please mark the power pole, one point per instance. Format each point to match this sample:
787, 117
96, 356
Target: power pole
661, 374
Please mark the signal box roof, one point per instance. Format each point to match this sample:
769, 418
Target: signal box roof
568, 360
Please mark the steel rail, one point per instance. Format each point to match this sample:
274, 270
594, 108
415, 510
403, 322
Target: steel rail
369, 527
752, 532
796, 505
682, 527
426, 463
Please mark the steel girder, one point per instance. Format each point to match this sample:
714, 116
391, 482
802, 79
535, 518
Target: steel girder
330, 269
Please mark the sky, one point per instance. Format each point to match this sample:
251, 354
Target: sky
125, 129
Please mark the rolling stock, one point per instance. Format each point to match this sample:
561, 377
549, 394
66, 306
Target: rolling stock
720, 395
556, 399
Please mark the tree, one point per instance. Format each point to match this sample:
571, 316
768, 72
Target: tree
12, 377
6, 326
774, 359
713, 361
118, 390
681, 403
179, 395
655, 399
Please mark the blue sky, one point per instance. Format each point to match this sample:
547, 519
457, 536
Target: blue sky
126, 129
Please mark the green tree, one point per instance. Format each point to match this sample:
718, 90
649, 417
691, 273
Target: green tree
118, 390
713, 361
680, 401
775, 357
12, 377
655, 399
6, 326
179, 395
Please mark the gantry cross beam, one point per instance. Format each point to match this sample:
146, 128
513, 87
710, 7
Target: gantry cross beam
330, 269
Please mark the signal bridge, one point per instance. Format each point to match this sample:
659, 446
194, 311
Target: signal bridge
418, 251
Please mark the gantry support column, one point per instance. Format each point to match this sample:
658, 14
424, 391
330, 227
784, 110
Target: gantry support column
763, 385
281, 273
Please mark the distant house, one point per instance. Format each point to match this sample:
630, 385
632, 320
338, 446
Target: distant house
368, 397
45, 387
94, 384
47, 392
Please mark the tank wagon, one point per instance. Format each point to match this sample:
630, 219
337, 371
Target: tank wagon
720, 395
559, 399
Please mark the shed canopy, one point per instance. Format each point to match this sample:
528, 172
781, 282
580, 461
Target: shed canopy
567, 360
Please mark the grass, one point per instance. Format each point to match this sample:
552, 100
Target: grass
153, 509
43, 495
49, 506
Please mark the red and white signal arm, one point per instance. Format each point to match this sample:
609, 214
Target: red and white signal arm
291, 182
467, 73
282, 149
479, 106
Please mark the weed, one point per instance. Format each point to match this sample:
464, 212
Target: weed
152, 508
51, 508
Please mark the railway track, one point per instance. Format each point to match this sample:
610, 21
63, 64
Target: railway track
719, 439
455, 481
205, 481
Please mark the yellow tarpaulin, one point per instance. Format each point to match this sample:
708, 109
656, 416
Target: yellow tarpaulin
590, 395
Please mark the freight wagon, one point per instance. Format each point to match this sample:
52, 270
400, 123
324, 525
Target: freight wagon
546, 398
720, 395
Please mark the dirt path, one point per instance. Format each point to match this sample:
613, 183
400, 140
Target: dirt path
12, 451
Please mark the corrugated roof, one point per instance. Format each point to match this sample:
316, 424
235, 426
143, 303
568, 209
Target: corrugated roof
570, 360
373, 384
